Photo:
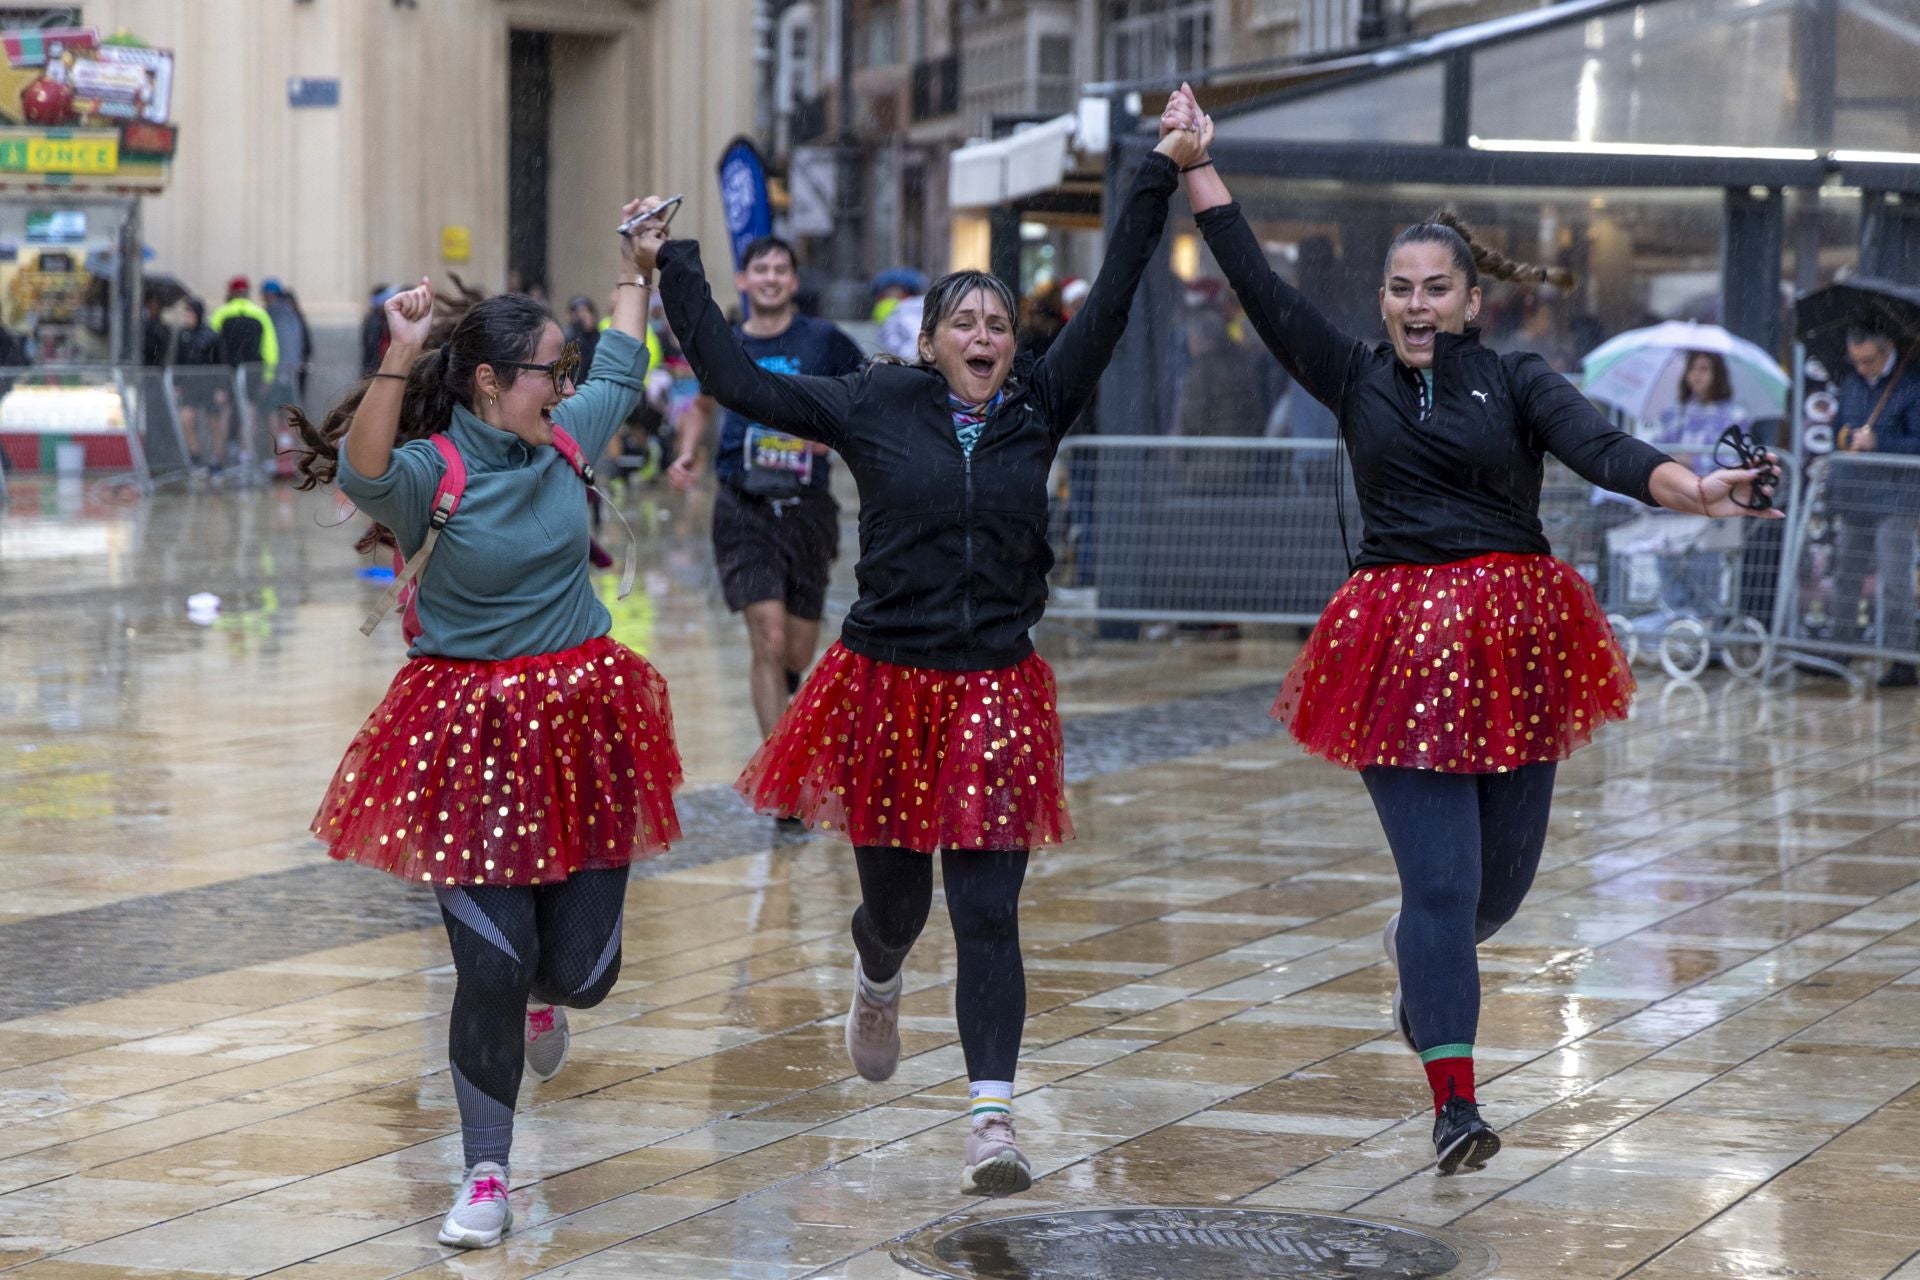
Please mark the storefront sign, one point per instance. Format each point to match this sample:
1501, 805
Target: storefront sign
58, 151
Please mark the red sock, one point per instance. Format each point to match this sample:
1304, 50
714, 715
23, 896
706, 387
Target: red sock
1451, 1076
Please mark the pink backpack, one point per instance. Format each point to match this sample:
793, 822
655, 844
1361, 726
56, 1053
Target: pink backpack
405, 590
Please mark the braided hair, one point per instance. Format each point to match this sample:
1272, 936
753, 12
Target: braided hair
1470, 258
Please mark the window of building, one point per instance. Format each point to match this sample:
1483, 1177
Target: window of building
882, 47
1158, 38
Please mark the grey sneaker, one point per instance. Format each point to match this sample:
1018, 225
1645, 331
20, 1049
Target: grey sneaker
480, 1213
547, 1040
995, 1166
873, 1031
1390, 938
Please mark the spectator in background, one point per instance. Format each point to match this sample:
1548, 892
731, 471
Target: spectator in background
373, 330
1042, 317
583, 328
1704, 411
246, 330
891, 288
1878, 506
247, 341
156, 339
1072, 294
291, 334
905, 297
203, 389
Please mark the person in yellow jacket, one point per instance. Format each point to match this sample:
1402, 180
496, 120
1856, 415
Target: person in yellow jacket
243, 335
246, 330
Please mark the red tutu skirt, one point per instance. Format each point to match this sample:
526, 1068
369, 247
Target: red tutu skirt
515, 772
917, 759
1479, 666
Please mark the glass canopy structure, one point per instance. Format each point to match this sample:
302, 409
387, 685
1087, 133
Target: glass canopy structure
1686, 158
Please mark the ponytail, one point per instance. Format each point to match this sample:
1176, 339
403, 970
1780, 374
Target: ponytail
470, 332
1471, 258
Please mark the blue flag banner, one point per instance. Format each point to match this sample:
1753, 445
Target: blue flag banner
743, 194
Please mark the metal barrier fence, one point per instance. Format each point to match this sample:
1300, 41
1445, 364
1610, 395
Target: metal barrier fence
148, 424
1232, 529
1197, 529
1682, 590
1851, 552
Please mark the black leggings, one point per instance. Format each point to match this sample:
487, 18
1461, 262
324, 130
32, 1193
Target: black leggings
983, 901
1467, 846
556, 944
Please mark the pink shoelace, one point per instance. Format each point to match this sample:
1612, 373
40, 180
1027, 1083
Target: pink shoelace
539, 1021
487, 1189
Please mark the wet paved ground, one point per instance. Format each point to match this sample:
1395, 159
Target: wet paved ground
226, 1057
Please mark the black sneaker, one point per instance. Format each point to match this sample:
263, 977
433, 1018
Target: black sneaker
1461, 1137
1900, 675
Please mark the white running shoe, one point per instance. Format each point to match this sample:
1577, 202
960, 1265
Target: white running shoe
994, 1165
1390, 938
480, 1213
547, 1040
873, 1030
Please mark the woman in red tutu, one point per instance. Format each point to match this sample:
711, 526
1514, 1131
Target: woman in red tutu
931, 725
522, 757
1461, 661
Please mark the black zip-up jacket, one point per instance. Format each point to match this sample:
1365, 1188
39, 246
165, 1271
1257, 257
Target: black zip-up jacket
1464, 481
953, 551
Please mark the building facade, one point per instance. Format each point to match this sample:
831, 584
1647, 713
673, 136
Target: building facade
930, 75
474, 136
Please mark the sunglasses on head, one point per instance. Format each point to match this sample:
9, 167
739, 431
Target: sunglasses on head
560, 372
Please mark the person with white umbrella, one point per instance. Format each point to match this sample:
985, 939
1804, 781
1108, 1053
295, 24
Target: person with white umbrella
1646, 372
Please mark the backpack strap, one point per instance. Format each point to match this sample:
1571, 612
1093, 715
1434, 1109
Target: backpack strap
446, 500
569, 448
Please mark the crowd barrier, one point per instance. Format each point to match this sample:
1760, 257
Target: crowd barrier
1181, 529
1849, 589
148, 425
1249, 530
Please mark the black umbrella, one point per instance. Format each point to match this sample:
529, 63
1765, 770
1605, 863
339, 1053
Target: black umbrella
1822, 317
165, 287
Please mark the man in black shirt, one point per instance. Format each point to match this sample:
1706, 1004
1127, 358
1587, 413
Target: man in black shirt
776, 527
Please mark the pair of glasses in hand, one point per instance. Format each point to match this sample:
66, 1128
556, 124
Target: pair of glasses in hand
1738, 451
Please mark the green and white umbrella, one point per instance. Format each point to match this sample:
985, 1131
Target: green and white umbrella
1638, 372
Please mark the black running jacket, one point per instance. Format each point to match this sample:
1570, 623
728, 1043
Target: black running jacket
953, 549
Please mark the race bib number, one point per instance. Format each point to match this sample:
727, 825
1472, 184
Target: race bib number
776, 462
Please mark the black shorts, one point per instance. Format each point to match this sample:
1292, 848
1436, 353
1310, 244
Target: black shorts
775, 551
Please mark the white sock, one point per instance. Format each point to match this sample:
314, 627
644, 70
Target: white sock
879, 992
990, 1098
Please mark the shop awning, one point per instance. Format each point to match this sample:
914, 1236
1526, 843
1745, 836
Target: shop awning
1030, 161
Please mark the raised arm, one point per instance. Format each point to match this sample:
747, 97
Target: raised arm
1071, 369
369, 444
811, 407
618, 379
1318, 355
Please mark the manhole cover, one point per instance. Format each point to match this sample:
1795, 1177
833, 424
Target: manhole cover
1190, 1244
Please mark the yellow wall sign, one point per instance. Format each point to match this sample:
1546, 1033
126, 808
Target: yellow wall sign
456, 244
58, 151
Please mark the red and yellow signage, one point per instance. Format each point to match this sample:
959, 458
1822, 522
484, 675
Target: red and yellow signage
85, 111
